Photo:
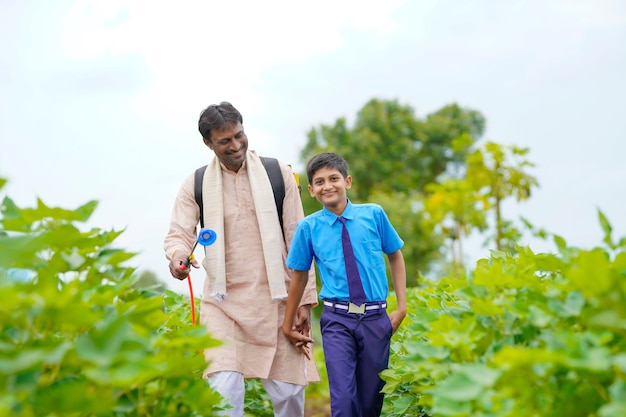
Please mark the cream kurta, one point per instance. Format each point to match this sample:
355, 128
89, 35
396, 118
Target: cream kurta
248, 321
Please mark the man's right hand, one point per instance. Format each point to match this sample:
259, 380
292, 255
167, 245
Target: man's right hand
179, 270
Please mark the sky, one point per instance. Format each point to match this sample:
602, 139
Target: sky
100, 100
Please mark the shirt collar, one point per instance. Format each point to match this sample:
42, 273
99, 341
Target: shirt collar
348, 213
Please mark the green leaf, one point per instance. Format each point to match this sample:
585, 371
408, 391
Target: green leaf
593, 360
608, 319
102, 345
426, 351
560, 243
402, 404
481, 374
538, 317
606, 228
19, 251
617, 406
457, 387
613, 410
33, 358
86, 210
619, 361
574, 303
73, 395
590, 273
443, 406
486, 307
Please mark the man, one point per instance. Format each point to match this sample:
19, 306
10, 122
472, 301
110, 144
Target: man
245, 289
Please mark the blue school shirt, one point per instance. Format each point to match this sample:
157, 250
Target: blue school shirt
318, 237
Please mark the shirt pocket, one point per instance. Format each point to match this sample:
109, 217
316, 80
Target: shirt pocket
371, 254
328, 253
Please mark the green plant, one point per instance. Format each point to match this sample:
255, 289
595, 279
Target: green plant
523, 335
257, 402
78, 338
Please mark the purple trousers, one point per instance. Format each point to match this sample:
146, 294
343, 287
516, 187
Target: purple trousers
356, 349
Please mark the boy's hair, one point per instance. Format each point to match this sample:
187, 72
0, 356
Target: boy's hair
216, 117
326, 160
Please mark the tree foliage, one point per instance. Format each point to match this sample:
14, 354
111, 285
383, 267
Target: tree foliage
458, 206
454, 209
389, 149
497, 172
150, 280
393, 155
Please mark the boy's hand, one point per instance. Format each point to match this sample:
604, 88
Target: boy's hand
396, 318
299, 340
303, 320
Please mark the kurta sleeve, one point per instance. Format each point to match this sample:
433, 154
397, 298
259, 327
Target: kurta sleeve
184, 219
292, 214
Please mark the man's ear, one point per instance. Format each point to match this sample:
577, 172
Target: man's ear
348, 182
311, 190
208, 143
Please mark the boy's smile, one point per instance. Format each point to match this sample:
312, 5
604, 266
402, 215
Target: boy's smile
329, 188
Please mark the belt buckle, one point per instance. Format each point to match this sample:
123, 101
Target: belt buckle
353, 308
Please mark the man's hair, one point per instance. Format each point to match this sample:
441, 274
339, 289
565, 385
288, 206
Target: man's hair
216, 117
326, 160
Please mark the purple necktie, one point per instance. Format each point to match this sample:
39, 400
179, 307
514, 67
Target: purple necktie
357, 295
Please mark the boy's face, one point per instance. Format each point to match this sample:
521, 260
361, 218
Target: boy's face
329, 188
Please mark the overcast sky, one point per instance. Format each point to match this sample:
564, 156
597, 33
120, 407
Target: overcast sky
100, 99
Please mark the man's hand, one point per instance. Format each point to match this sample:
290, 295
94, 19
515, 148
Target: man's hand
299, 332
299, 340
176, 270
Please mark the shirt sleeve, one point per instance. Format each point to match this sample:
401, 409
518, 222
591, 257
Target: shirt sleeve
183, 221
300, 255
390, 239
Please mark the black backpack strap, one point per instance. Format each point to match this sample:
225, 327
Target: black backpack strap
278, 184
197, 191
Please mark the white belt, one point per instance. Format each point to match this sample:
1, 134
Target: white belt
344, 306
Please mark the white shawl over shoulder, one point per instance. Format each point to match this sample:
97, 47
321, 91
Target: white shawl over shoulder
267, 216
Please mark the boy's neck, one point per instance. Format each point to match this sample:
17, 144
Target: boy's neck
339, 208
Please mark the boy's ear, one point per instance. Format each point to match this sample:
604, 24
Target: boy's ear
311, 190
348, 182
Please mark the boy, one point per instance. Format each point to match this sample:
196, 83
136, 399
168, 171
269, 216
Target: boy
356, 329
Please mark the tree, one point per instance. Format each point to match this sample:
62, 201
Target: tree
498, 172
455, 208
149, 280
389, 149
393, 156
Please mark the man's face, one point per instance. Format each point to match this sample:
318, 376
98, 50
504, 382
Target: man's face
230, 145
